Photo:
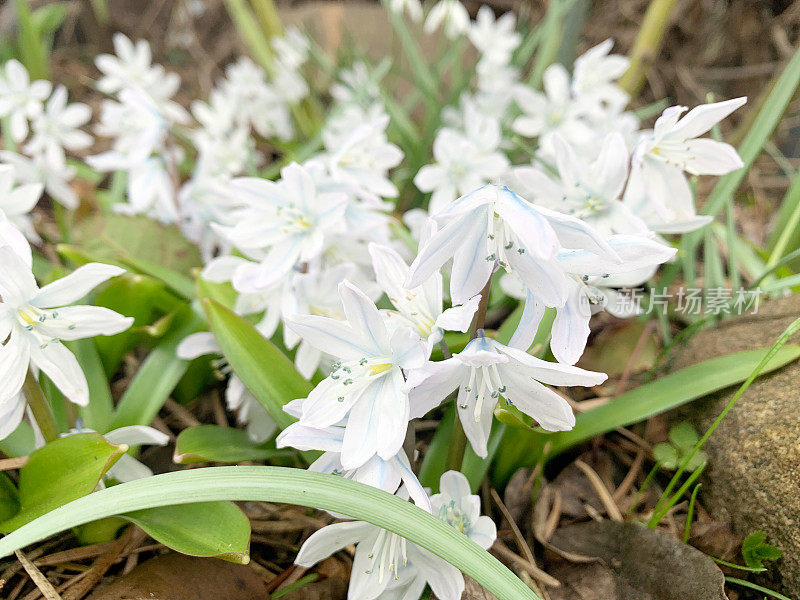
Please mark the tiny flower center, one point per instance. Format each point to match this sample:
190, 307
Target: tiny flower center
454, 516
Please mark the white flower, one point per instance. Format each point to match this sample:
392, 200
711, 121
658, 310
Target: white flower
131, 68
464, 161
367, 386
292, 48
20, 99
552, 111
590, 280
456, 505
364, 157
55, 177
493, 227
287, 222
16, 203
454, 16
387, 475
587, 190
358, 85
420, 308
250, 412
485, 371
595, 73
383, 562
495, 39
34, 321
658, 190
57, 127
412, 7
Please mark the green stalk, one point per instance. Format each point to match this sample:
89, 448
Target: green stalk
40, 408
791, 227
648, 41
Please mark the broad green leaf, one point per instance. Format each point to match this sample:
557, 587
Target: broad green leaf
292, 486
141, 244
218, 529
265, 370
9, 498
523, 448
133, 295
211, 443
61, 471
157, 376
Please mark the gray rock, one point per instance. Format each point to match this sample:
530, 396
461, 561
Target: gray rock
753, 477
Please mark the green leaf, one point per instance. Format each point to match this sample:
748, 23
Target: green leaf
292, 486
265, 370
133, 295
211, 443
9, 498
141, 244
61, 471
666, 456
523, 448
98, 413
218, 529
158, 375
755, 550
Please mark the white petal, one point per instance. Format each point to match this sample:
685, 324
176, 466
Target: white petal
430, 385
709, 157
61, 366
75, 286
529, 322
78, 322
331, 539
459, 318
14, 361
330, 336
137, 435
127, 469
552, 373
408, 348
17, 285
702, 118
549, 409
198, 344
11, 413
445, 580
570, 330
297, 435
455, 485
364, 318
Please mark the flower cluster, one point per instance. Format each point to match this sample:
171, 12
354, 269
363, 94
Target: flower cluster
41, 126
544, 191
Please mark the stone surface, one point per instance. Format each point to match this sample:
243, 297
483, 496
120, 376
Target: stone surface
753, 478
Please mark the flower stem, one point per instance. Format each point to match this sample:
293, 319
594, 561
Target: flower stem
648, 41
40, 408
458, 440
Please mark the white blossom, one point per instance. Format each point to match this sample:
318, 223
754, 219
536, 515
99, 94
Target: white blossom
20, 98
486, 371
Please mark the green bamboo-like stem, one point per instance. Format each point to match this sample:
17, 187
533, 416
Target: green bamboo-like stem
458, 439
647, 43
40, 408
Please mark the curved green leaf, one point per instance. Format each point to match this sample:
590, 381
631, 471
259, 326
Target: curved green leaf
218, 529
265, 370
62, 471
280, 484
211, 443
523, 448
